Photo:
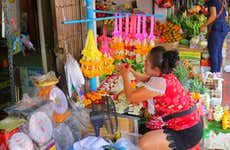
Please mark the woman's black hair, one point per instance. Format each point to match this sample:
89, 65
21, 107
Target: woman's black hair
164, 60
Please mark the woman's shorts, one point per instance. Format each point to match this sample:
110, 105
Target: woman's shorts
184, 139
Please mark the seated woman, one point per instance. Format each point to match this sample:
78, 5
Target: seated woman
178, 119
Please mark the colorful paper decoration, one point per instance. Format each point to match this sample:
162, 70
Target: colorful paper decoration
91, 62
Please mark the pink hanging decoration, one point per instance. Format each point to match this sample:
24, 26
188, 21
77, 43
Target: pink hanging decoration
118, 44
144, 33
151, 35
104, 37
138, 34
107, 52
139, 37
115, 31
120, 25
104, 40
144, 48
131, 45
133, 26
126, 36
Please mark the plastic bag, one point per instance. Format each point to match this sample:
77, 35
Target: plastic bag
126, 144
45, 80
74, 76
91, 143
81, 114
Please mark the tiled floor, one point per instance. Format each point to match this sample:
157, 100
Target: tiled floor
226, 76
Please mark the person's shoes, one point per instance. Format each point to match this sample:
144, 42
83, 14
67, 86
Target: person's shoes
227, 68
218, 74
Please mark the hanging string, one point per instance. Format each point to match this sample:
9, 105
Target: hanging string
64, 41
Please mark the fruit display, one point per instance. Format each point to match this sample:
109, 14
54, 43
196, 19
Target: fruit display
196, 9
169, 32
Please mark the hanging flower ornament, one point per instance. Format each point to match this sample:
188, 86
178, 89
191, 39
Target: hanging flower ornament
139, 37
107, 52
130, 48
151, 35
118, 44
91, 62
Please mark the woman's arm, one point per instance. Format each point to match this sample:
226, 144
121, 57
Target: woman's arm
210, 19
134, 95
139, 76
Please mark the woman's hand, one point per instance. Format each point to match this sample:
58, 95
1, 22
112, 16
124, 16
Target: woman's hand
123, 69
203, 28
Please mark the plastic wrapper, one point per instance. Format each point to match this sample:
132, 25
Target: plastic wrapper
126, 144
60, 102
26, 106
40, 128
91, 143
20, 141
45, 80
74, 76
75, 126
40, 125
63, 137
81, 114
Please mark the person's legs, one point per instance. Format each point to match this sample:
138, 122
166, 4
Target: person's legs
154, 140
221, 42
213, 43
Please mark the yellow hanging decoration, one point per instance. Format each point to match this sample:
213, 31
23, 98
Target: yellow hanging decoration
91, 62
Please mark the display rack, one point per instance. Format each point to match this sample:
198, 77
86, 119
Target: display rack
90, 25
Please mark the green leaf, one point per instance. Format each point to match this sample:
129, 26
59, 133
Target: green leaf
217, 127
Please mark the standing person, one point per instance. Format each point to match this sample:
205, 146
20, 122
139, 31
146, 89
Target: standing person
218, 29
176, 114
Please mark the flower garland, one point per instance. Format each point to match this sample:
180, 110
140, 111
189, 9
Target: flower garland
93, 98
91, 62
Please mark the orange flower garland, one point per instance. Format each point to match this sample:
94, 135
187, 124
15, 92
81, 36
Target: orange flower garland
93, 98
91, 62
